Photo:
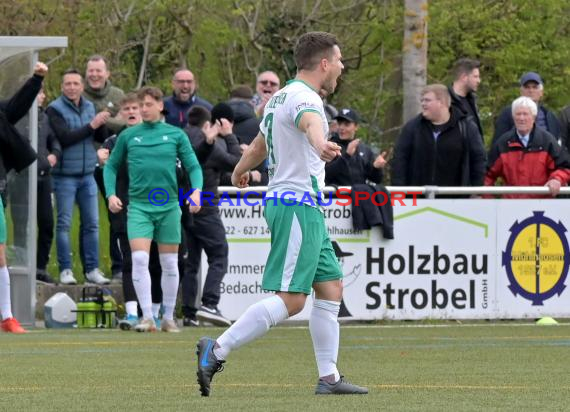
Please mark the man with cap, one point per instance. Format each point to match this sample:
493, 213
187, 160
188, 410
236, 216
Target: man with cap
527, 155
532, 86
207, 231
357, 162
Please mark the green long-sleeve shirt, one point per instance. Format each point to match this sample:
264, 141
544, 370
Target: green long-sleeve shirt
151, 150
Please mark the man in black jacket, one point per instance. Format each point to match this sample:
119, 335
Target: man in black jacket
246, 124
15, 153
207, 231
564, 120
441, 146
246, 127
49, 151
466, 81
359, 167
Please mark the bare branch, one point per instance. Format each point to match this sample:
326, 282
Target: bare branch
229, 59
251, 24
129, 11
309, 17
118, 10
145, 53
247, 62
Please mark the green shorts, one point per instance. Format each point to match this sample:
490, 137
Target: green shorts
2, 223
301, 250
161, 225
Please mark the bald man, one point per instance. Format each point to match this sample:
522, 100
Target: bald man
267, 85
183, 97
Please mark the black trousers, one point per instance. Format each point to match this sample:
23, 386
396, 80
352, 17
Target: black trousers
206, 232
45, 222
18, 200
18, 196
129, 293
114, 243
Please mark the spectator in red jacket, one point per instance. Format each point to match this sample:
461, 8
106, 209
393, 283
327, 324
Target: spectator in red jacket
528, 155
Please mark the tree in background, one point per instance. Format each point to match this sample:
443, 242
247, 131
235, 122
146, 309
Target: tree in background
509, 38
228, 42
414, 62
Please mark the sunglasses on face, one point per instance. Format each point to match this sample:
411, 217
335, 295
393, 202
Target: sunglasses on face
268, 82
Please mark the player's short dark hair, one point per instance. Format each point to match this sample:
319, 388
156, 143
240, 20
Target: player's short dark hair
151, 91
312, 47
129, 98
72, 71
241, 91
464, 66
198, 116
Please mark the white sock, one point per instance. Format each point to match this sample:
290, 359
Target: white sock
325, 332
132, 308
255, 322
141, 282
5, 303
169, 282
156, 309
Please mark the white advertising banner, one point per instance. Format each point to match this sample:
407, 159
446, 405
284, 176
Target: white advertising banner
532, 259
450, 259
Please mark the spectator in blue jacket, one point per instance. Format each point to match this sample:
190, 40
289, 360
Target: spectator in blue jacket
183, 97
76, 125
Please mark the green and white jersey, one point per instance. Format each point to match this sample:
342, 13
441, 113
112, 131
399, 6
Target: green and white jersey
295, 168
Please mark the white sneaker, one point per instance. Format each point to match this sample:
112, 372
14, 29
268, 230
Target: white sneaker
66, 277
146, 325
169, 325
96, 276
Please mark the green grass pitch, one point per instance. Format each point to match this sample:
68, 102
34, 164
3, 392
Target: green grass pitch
407, 367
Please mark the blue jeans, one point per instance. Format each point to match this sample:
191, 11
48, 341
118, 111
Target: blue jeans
83, 190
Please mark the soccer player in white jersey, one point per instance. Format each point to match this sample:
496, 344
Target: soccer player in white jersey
293, 139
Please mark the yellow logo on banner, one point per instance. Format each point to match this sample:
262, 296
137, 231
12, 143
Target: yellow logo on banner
536, 258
